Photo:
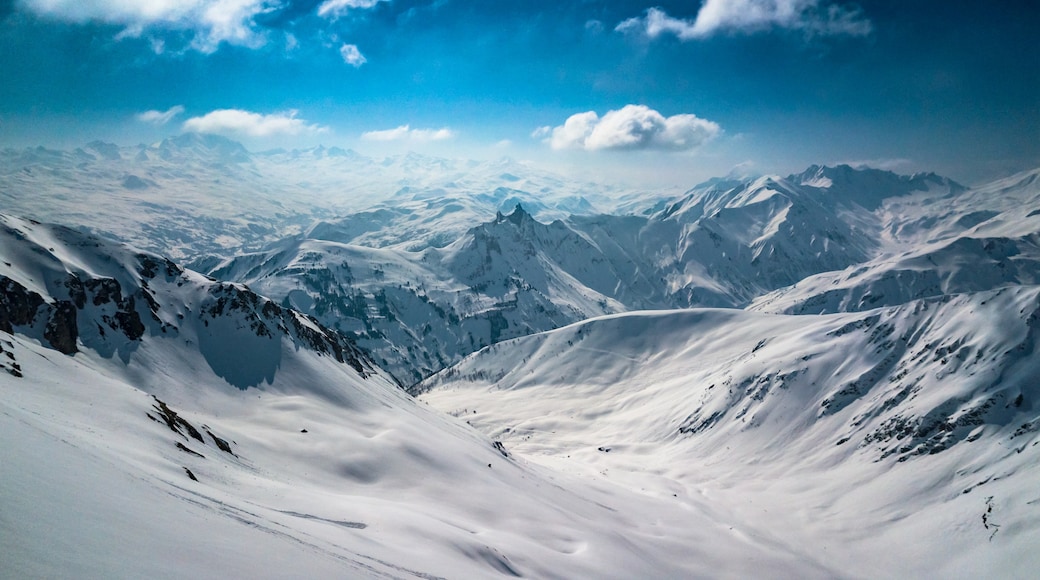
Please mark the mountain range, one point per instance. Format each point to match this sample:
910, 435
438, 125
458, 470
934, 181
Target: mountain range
226, 362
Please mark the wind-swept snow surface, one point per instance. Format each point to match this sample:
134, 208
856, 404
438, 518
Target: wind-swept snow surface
159, 424
896, 442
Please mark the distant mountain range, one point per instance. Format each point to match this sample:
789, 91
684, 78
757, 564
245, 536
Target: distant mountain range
195, 195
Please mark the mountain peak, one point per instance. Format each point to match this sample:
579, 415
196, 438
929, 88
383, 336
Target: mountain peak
204, 144
518, 216
108, 151
866, 186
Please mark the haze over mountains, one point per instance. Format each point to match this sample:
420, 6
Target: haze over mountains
197, 194
827, 374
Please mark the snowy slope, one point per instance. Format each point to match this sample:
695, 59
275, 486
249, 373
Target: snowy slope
980, 239
131, 453
890, 440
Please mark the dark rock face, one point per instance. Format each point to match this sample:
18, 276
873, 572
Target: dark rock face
269, 319
61, 330
18, 305
77, 293
152, 265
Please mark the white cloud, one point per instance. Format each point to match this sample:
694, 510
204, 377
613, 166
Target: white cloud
336, 8
211, 21
352, 56
160, 117
405, 132
251, 124
541, 132
815, 17
887, 164
628, 128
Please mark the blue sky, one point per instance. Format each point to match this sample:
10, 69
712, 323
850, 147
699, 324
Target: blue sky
654, 92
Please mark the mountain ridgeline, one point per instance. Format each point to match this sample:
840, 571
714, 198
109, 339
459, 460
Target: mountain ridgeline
727, 243
73, 291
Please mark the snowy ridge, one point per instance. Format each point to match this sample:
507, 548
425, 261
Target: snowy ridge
72, 291
417, 312
964, 241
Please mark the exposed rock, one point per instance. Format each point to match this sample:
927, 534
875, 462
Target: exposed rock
18, 305
183, 448
175, 422
61, 331
222, 444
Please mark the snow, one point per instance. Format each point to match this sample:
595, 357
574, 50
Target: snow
786, 423
335, 472
829, 374
377, 487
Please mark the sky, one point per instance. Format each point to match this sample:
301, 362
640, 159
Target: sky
644, 91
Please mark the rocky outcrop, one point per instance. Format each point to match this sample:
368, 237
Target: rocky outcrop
61, 330
79, 303
18, 305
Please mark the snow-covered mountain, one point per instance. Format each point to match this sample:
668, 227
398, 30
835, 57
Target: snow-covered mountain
72, 291
902, 441
159, 423
418, 312
829, 374
967, 241
725, 243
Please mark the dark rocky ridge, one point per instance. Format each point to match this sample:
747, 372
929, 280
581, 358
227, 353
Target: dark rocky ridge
141, 295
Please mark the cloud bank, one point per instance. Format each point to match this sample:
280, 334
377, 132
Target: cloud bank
405, 132
748, 16
212, 21
251, 124
633, 127
160, 117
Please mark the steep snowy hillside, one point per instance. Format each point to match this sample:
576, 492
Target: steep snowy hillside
896, 442
157, 423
